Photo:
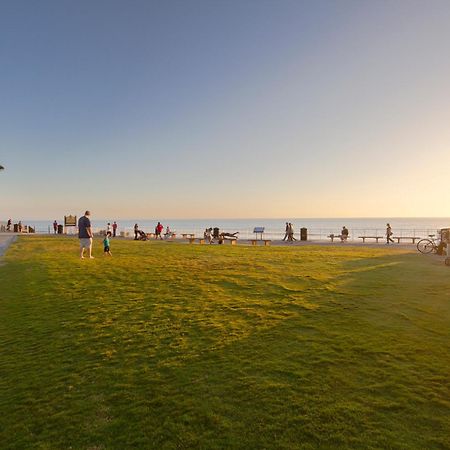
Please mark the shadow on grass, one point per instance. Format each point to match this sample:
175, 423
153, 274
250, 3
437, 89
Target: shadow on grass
199, 347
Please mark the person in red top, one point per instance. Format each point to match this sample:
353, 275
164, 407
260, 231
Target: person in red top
114, 228
158, 230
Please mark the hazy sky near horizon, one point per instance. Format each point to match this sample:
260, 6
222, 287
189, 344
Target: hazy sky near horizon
238, 108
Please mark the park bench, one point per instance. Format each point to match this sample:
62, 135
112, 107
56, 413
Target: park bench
413, 238
193, 239
260, 231
377, 238
255, 241
337, 236
398, 238
203, 240
188, 235
232, 241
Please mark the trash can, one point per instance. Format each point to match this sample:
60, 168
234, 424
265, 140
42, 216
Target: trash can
16, 228
60, 229
303, 234
445, 235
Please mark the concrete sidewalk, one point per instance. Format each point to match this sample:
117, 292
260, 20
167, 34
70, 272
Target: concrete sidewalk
5, 242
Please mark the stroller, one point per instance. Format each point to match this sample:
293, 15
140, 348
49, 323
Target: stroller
142, 236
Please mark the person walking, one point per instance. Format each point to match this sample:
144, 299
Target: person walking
291, 237
85, 234
8, 225
55, 227
286, 231
136, 231
108, 228
114, 228
389, 233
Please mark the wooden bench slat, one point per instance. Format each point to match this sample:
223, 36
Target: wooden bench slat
377, 238
255, 241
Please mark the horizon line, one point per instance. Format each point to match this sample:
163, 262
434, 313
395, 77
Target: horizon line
259, 218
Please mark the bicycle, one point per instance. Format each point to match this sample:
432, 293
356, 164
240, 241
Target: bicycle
428, 245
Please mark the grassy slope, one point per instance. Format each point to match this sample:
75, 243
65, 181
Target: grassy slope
177, 346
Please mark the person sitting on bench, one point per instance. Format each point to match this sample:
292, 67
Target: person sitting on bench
223, 236
344, 234
229, 235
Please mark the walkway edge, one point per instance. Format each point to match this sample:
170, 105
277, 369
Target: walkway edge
6, 243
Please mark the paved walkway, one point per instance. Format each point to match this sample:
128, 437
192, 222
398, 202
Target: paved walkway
5, 241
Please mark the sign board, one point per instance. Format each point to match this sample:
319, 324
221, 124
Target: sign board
70, 221
260, 231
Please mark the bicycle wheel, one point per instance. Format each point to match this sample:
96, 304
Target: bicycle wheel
425, 246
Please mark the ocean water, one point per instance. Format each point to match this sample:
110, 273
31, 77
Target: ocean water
274, 228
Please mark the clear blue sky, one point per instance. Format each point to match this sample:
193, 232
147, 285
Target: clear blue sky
238, 108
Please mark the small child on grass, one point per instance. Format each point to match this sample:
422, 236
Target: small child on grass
106, 248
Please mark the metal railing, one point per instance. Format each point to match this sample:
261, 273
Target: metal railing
314, 234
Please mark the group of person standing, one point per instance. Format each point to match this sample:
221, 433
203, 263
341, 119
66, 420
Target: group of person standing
112, 229
9, 226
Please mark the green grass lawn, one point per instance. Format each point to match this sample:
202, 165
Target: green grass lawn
171, 346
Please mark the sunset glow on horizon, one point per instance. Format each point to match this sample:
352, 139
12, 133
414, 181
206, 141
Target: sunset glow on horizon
225, 109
